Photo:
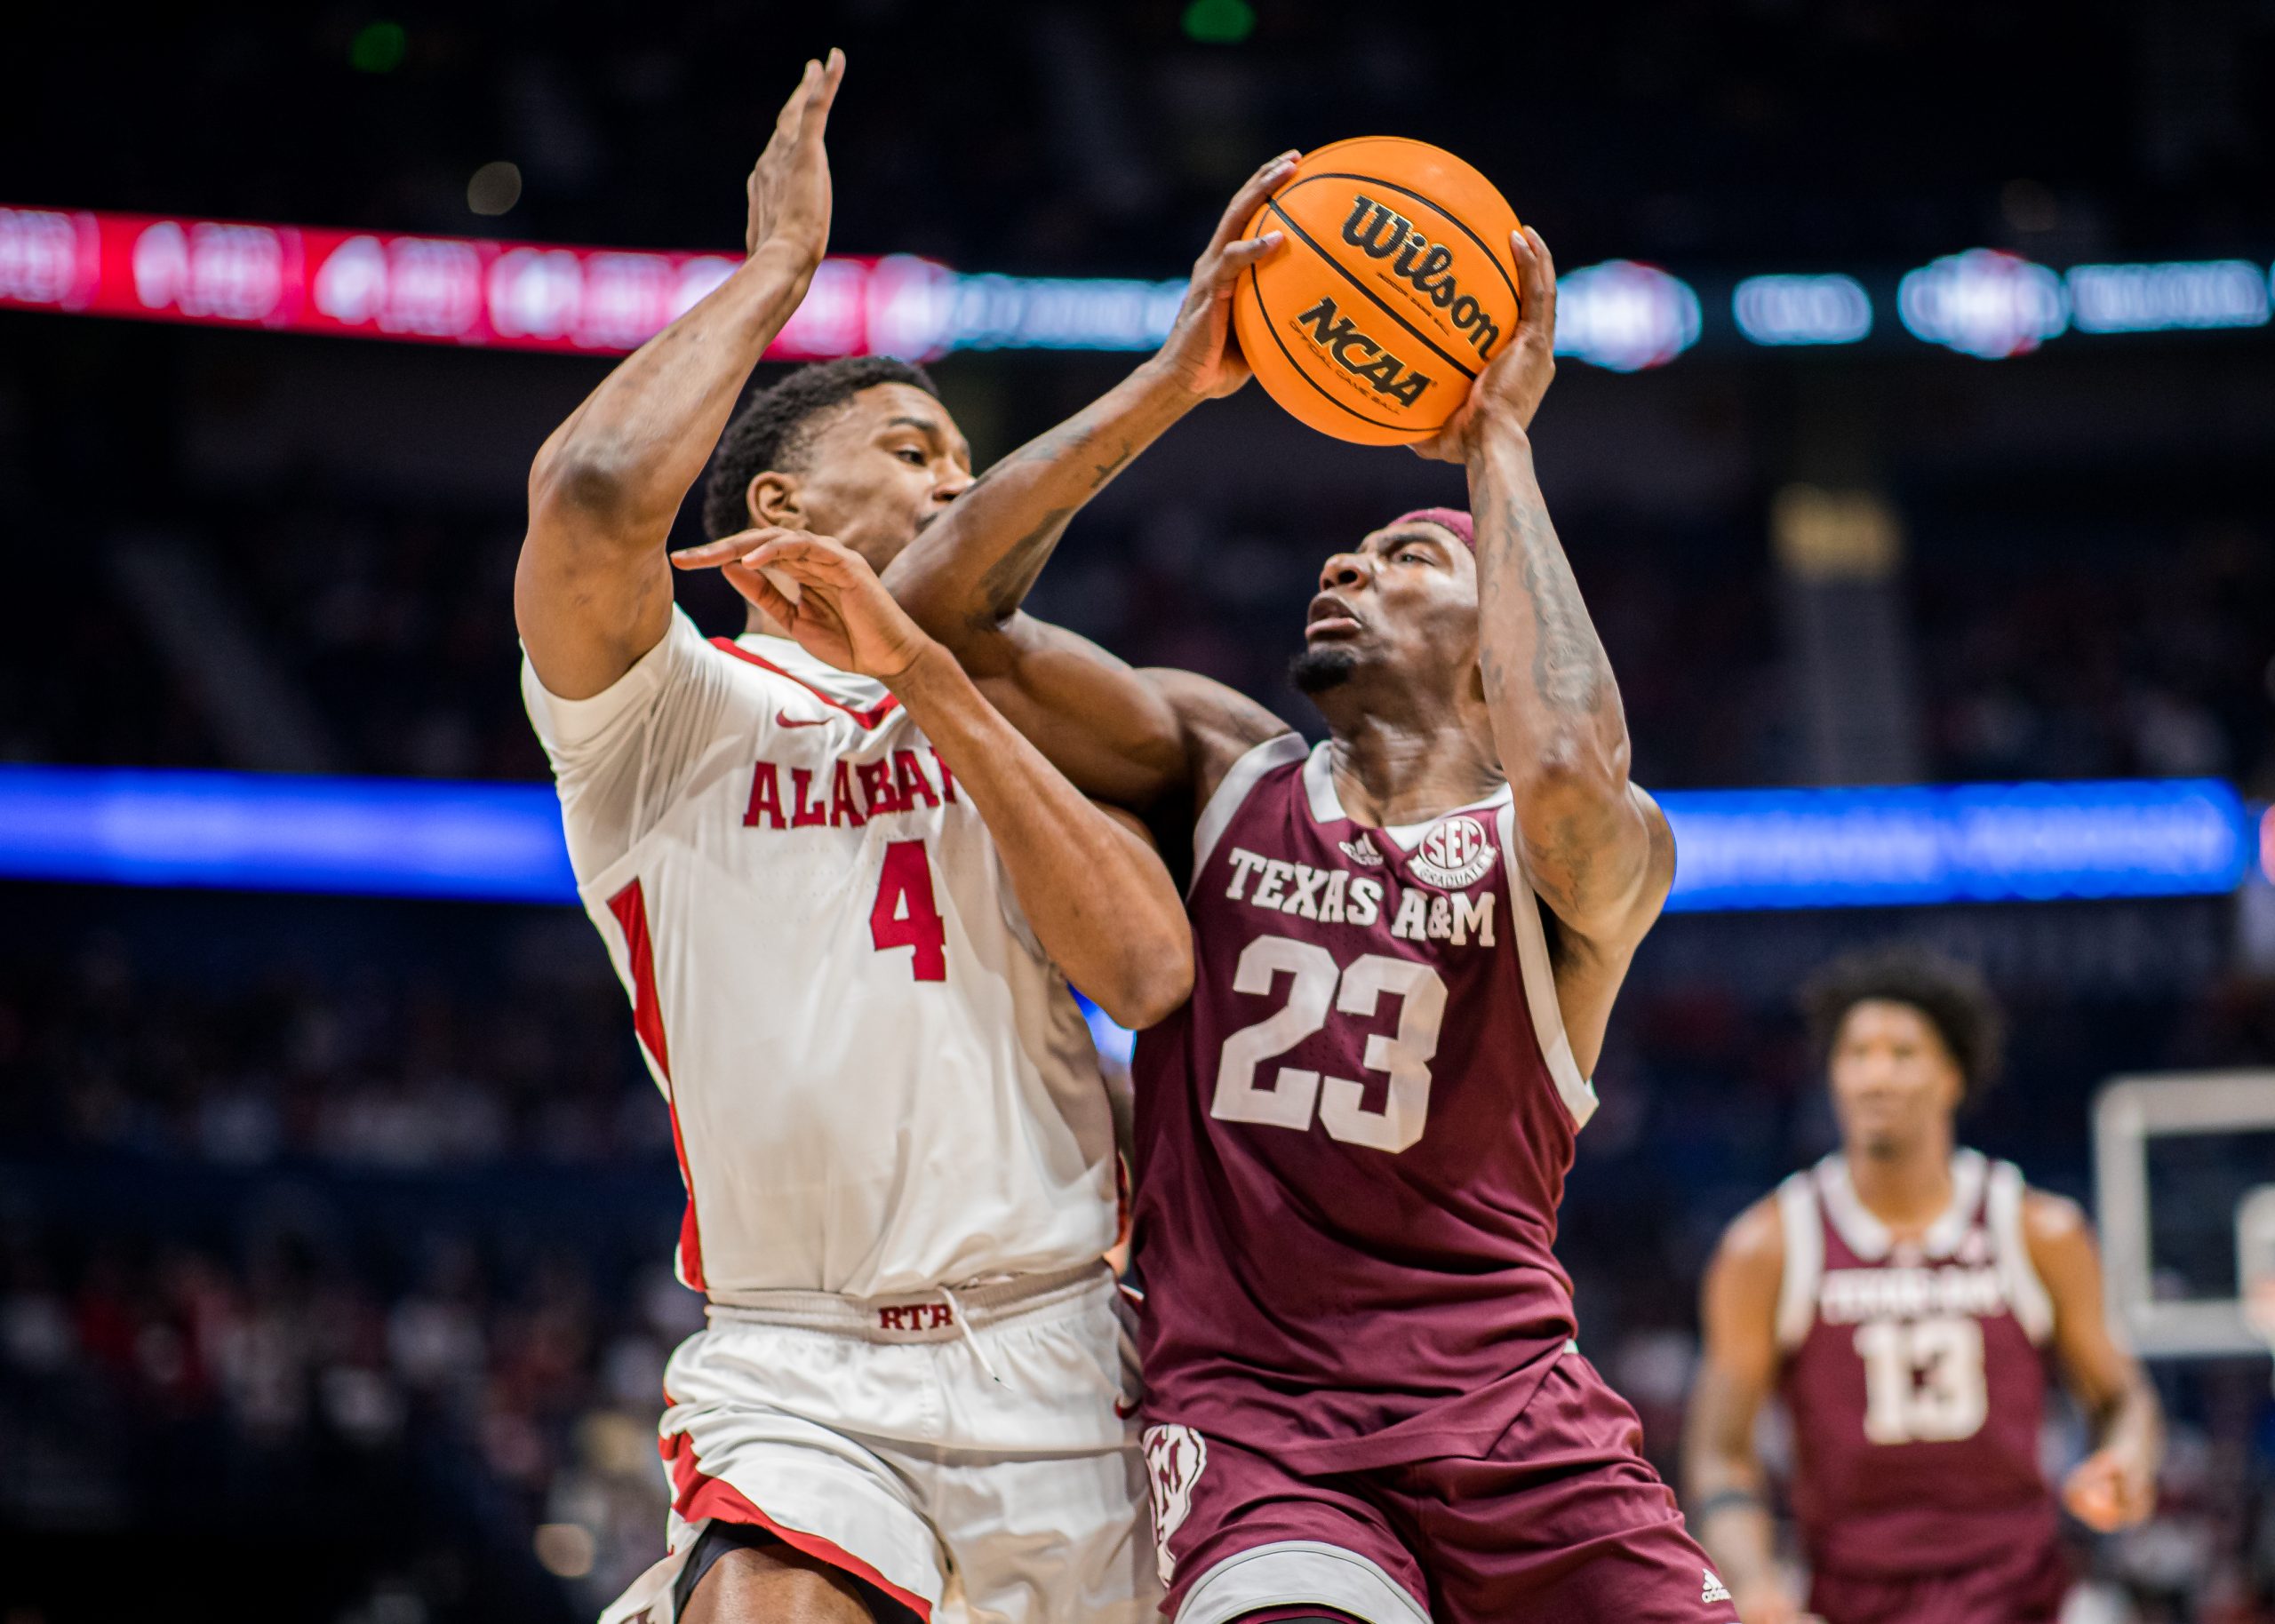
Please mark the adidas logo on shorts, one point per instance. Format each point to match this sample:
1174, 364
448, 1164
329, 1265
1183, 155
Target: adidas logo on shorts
1715, 1590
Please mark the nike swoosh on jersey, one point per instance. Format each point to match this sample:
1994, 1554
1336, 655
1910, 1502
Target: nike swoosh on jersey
783, 718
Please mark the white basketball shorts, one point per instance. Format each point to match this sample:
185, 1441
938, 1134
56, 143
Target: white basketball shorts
968, 1452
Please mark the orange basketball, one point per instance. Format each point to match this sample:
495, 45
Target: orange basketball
1394, 289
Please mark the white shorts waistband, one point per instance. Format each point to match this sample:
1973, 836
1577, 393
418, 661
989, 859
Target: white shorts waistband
939, 1314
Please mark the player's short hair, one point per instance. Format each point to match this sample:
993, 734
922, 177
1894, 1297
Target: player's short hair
774, 430
1953, 997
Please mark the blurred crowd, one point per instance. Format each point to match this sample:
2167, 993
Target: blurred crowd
1018, 136
2148, 658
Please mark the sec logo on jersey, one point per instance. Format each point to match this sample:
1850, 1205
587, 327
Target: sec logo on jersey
1456, 853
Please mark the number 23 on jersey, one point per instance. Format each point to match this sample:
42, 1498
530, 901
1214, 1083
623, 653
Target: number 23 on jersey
1317, 987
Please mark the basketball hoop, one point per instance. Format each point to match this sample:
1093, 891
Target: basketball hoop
2256, 1263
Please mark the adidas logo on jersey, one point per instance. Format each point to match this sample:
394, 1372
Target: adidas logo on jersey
1715, 1589
1361, 851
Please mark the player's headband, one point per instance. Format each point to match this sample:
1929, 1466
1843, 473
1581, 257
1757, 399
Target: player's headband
1452, 518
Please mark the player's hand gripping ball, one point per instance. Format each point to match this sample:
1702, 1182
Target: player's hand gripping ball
1395, 289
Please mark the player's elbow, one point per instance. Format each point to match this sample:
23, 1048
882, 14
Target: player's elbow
1574, 767
1153, 979
586, 477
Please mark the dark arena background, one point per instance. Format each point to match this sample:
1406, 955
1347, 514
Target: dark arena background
1914, 440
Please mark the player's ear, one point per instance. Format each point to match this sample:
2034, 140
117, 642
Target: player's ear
772, 499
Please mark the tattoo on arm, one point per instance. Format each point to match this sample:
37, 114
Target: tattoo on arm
1568, 669
1010, 578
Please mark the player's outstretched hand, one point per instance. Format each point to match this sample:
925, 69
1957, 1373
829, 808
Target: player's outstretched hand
1511, 387
1201, 352
826, 596
2110, 1489
788, 187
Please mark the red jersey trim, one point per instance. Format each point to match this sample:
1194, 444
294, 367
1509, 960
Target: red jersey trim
868, 719
630, 907
695, 1494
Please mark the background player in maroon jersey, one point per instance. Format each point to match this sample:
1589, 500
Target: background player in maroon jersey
1364, 1400
1900, 1296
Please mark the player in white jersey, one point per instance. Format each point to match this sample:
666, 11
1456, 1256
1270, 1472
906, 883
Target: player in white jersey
846, 900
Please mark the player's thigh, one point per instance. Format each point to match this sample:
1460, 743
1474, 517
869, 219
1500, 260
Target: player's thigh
831, 1497
1562, 1522
1238, 1534
772, 1583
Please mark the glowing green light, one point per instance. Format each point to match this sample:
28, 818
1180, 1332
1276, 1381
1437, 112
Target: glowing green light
1219, 22
379, 48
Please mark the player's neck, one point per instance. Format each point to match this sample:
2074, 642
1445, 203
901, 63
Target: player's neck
1906, 1189
1395, 772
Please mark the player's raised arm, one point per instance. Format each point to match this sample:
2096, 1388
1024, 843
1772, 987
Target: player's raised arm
1089, 879
2115, 1485
1724, 1488
593, 591
1121, 735
1596, 846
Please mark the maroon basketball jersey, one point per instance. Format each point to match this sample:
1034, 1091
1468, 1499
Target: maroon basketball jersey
1914, 1375
1353, 1139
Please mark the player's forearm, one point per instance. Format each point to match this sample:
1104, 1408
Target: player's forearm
1557, 718
624, 459
1099, 900
974, 567
2134, 1421
1724, 1494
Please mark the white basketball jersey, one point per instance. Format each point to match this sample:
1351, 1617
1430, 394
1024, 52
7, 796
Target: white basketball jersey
878, 1083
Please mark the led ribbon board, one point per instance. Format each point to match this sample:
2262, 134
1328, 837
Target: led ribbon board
1735, 849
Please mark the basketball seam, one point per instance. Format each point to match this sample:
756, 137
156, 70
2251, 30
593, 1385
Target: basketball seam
1451, 219
1256, 288
1344, 272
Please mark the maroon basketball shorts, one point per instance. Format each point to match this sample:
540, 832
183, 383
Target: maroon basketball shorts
1560, 1521
2027, 1587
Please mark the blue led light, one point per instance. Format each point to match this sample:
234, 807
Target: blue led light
249, 831
1734, 849
2029, 843
1779, 310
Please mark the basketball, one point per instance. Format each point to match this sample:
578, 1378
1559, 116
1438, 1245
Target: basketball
1395, 289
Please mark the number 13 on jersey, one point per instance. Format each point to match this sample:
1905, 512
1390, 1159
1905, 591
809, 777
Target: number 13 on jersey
1316, 983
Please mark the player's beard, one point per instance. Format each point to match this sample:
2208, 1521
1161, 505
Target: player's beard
1321, 668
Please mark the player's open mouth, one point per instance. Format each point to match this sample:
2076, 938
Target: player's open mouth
1331, 618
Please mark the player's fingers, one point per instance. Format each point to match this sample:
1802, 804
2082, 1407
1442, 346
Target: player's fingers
1250, 197
1237, 256
1546, 262
816, 558
761, 591
786, 122
824, 94
710, 555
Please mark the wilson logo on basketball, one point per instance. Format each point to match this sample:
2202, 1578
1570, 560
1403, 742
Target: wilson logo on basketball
1425, 264
1339, 336
1456, 853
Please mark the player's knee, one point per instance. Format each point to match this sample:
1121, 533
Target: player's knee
774, 1585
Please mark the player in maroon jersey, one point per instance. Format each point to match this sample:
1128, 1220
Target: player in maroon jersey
1364, 1400
1900, 1296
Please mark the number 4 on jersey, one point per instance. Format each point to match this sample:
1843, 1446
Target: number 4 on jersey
904, 915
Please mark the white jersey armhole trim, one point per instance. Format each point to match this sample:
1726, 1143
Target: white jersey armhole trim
2026, 1294
1804, 1233
1299, 1573
1239, 779
1577, 1093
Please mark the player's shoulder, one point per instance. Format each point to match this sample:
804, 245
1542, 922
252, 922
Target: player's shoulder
1756, 1237
1220, 723
2051, 1220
